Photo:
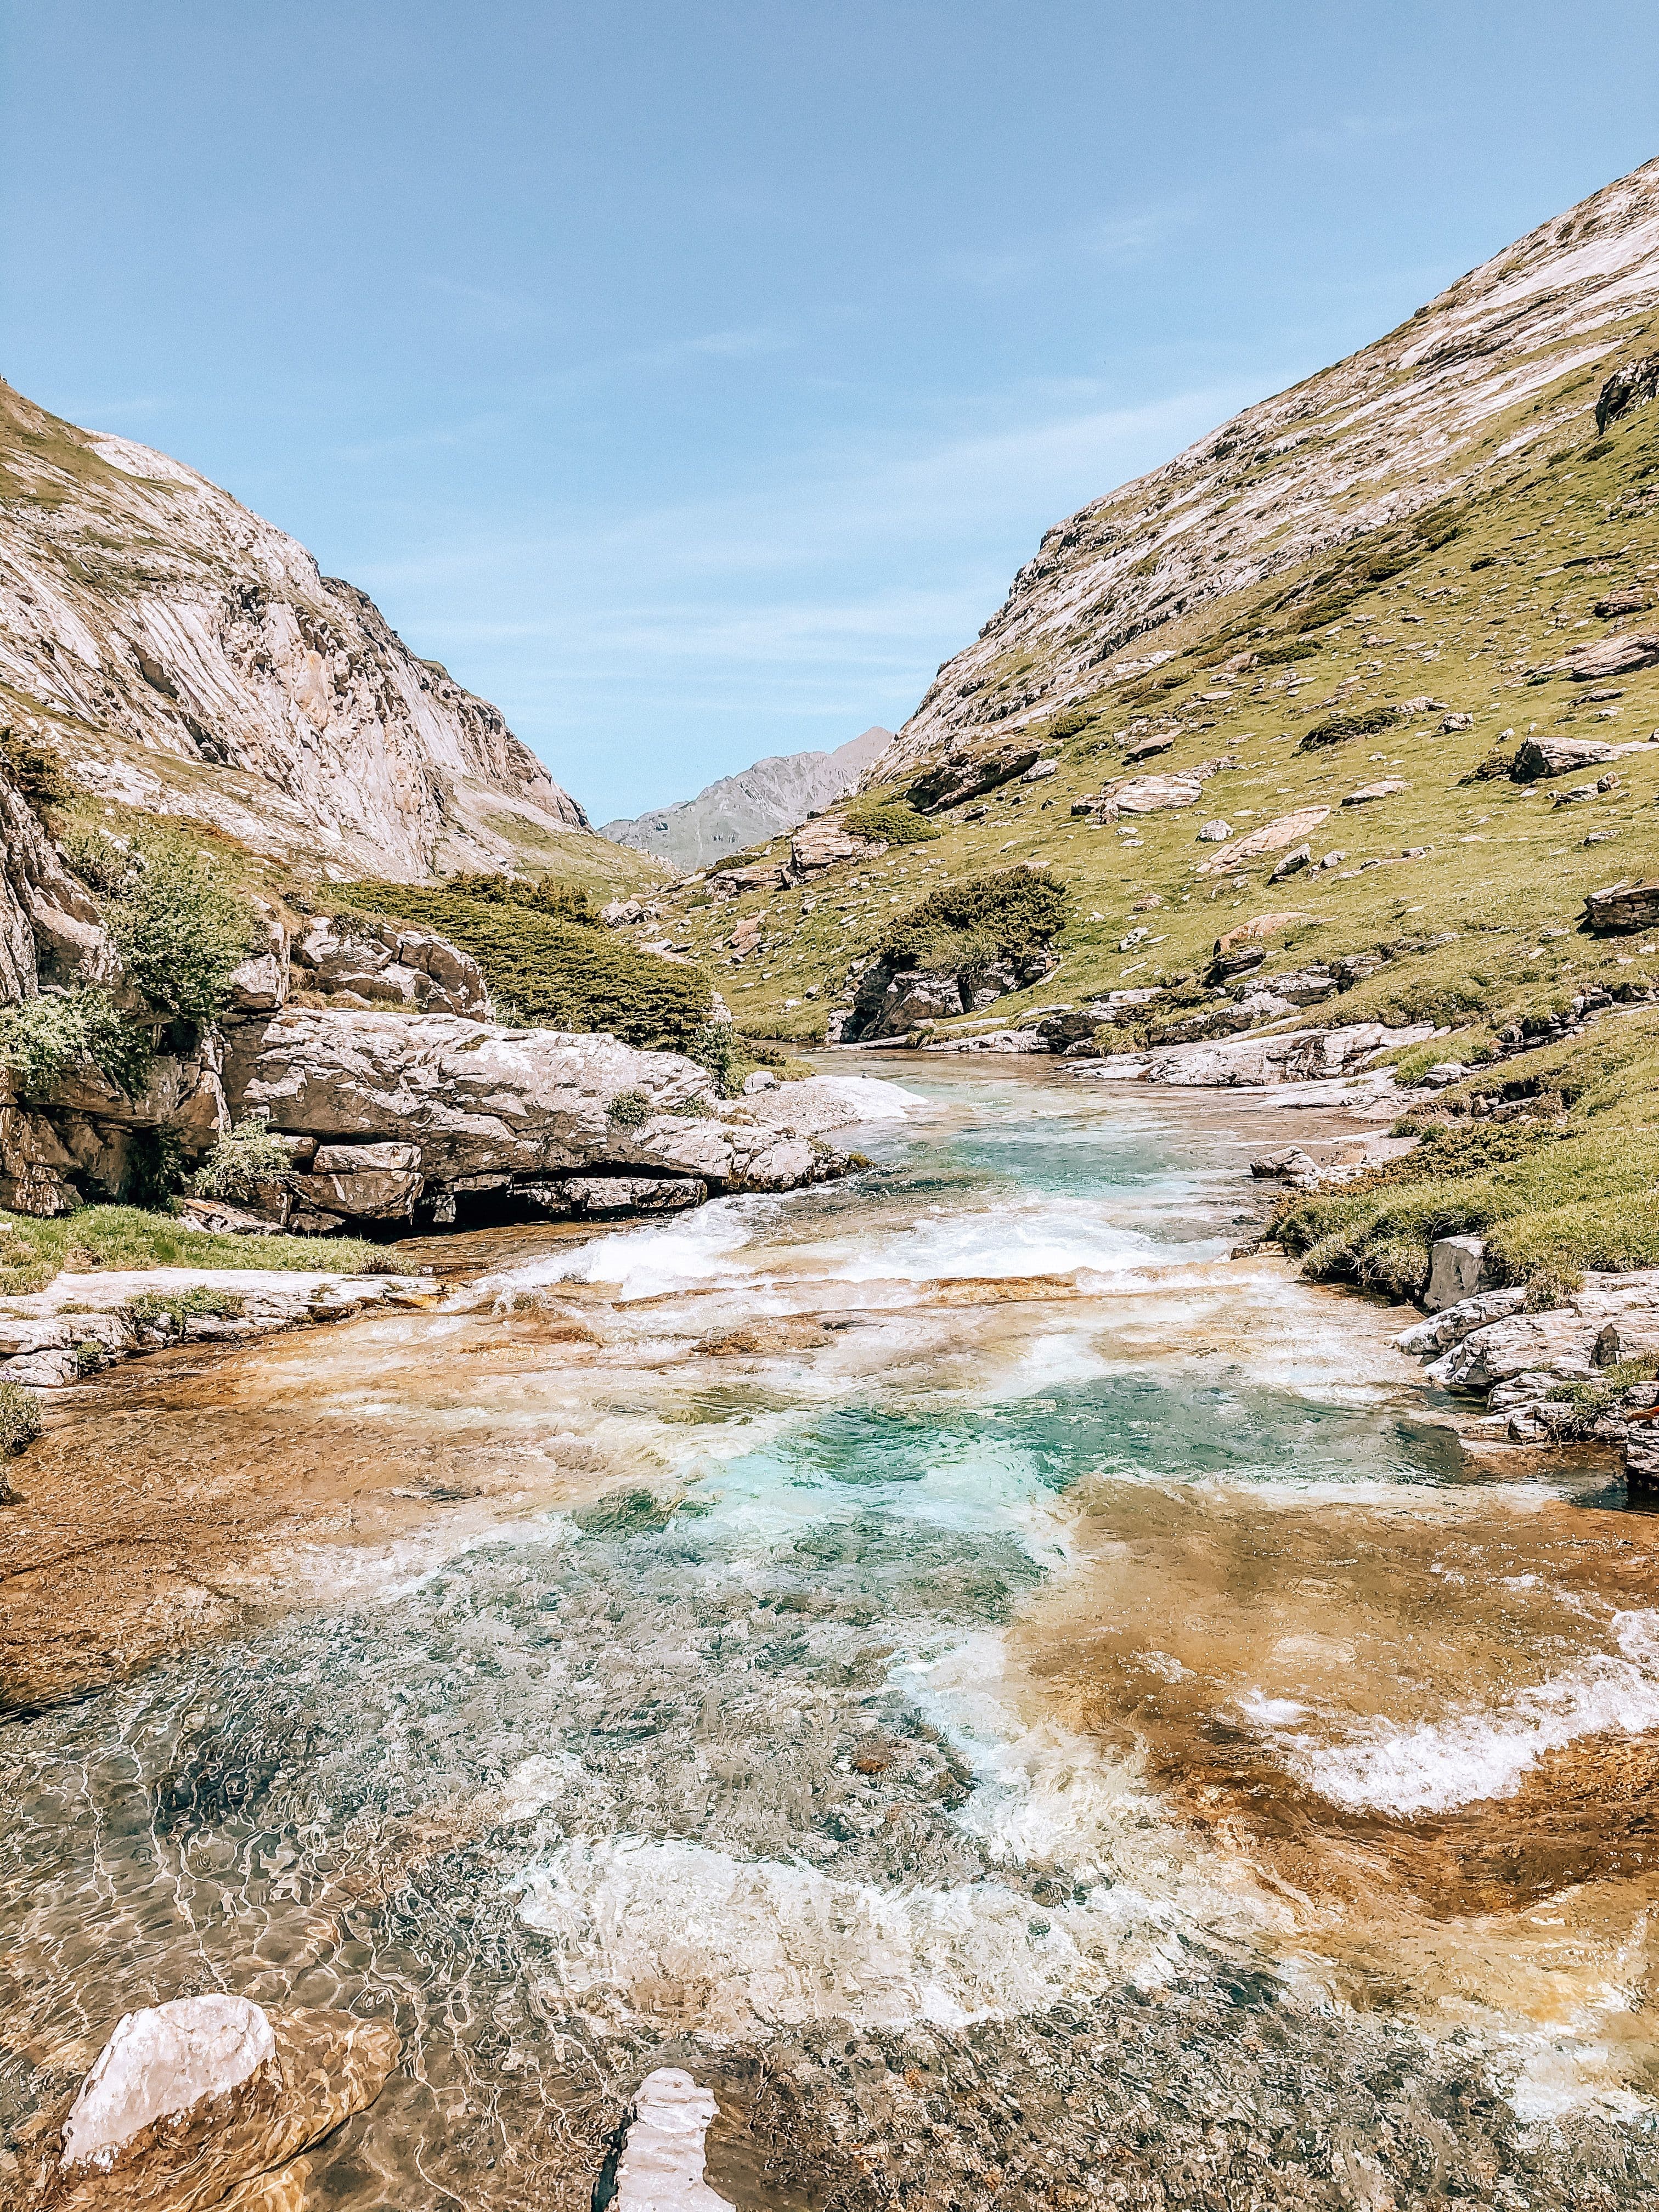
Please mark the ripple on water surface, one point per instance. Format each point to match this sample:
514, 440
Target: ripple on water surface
995, 1738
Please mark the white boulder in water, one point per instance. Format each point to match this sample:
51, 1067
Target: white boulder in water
662, 2165
158, 2063
207, 2101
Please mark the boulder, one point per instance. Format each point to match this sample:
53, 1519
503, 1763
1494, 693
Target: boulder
663, 2156
1298, 1056
1214, 833
1632, 383
385, 962
755, 875
362, 1182
963, 774
826, 843
1540, 757
1611, 656
1148, 794
1450, 1326
1259, 925
1146, 747
1457, 1270
464, 1106
1299, 857
1622, 907
1387, 786
1271, 837
207, 2100
892, 1000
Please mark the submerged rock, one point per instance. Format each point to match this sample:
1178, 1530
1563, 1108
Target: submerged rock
206, 2102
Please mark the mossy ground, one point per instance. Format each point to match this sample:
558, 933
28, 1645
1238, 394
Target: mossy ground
99, 1238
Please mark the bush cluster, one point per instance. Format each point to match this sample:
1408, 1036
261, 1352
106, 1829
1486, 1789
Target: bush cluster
553, 971
20, 1419
240, 1160
45, 1040
888, 822
178, 920
980, 919
1338, 727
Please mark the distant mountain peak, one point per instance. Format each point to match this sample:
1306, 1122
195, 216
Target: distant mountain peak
775, 794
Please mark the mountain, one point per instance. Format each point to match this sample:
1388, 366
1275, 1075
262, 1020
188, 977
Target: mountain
185, 658
1286, 683
734, 813
1453, 400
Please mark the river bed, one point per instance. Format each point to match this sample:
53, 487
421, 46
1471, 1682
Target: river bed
1029, 1710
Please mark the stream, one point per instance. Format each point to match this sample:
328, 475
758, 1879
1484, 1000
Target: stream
1029, 1711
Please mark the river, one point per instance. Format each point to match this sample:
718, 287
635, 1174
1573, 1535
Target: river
1029, 1711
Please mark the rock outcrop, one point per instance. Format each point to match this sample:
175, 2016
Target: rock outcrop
1296, 1056
1374, 440
892, 1000
392, 1117
50, 928
183, 656
207, 2102
1622, 907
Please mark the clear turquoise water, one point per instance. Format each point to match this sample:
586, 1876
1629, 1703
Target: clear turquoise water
745, 1764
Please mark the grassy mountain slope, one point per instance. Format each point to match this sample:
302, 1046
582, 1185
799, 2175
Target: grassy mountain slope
1467, 604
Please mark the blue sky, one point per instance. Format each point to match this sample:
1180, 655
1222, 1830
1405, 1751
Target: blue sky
691, 379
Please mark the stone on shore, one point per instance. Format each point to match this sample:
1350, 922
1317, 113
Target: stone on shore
209, 2099
1457, 1270
1255, 1061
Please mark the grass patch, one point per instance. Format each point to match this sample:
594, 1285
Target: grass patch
1336, 729
547, 967
987, 918
1574, 1189
169, 1310
101, 1238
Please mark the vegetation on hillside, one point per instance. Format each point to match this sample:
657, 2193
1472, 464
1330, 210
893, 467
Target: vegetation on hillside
970, 925
548, 963
890, 822
174, 910
1567, 1180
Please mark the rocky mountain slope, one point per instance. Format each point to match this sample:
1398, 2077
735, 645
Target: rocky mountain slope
775, 794
1277, 692
183, 657
1484, 376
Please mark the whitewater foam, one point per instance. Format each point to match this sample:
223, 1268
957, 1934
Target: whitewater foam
1478, 1752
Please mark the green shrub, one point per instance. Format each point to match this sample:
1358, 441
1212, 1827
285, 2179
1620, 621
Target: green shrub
629, 1109
90, 1356
43, 1039
565, 901
178, 921
244, 1158
553, 971
35, 769
1294, 648
20, 1418
714, 1046
890, 822
988, 917
1337, 728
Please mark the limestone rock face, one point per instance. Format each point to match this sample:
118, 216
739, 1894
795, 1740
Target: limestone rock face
1270, 837
206, 2102
408, 1106
49, 927
1298, 1056
1376, 439
825, 843
1612, 656
893, 1000
199, 665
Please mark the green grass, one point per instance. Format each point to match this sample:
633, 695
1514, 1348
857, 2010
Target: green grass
101, 1238
546, 969
1497, 602
1571, 1185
